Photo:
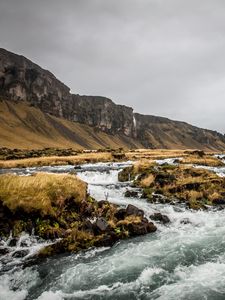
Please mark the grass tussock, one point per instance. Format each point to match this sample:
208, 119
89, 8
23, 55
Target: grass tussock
147, 181
142, 165
40, 192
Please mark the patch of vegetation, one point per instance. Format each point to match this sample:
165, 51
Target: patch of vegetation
58, 206
195, 187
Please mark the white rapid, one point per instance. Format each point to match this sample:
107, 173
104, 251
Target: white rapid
184, 260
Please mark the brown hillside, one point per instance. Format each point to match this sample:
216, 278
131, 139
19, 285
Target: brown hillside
24, 126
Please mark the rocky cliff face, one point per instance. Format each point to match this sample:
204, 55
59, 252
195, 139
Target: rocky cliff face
22, 80
158, 132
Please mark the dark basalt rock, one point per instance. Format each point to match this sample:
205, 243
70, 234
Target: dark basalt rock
89, 227
120, 213
141, 228
13, 242
185, 221
218, 202
20, 253
102, 224
159, 217
133, 210
107, 240
4, 250
131, 194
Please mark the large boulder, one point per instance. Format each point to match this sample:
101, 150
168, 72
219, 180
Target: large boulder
133, 210
141, 228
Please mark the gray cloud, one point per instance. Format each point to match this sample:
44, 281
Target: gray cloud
162, 57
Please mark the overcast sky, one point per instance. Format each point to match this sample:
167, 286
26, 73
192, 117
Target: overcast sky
162, 57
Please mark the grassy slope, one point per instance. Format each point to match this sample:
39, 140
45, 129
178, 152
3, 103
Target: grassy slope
23, 126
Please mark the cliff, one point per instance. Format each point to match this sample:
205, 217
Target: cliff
23, 81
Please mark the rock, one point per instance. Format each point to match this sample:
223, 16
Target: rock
102, 224
218, 201
88, 226
119, 156
101, 203
120, 213
107, 240
77, 167
12, 242
20, 253
130, 193
164, 178
159, 217
4, 250
126, 174
142, 228
185, 221
176, 161
133, 210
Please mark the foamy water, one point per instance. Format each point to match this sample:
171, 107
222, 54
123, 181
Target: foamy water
184, 260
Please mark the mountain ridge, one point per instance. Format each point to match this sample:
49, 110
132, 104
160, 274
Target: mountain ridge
23, 80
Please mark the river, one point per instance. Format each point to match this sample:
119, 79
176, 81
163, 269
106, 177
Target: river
183, 260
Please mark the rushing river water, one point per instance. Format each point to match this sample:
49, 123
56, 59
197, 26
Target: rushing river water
184, 260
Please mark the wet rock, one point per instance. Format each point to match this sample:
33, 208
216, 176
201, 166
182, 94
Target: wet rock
20, 253
126, 174
120, 213
130, 193
219, 202
185, 221
133, 210
107, 240
176, 161
160, 218
77, 167
4, 250
102, 224
141, 228
12, 242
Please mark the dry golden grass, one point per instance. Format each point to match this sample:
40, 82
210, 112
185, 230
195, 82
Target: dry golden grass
147, 154
40, 192
214, 196
153, 154
193, 195
130, 219
205, 161
142, 165
147, 181
56, 160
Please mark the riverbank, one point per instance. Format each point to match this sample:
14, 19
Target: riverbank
56, 157
188, 180
57, 206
